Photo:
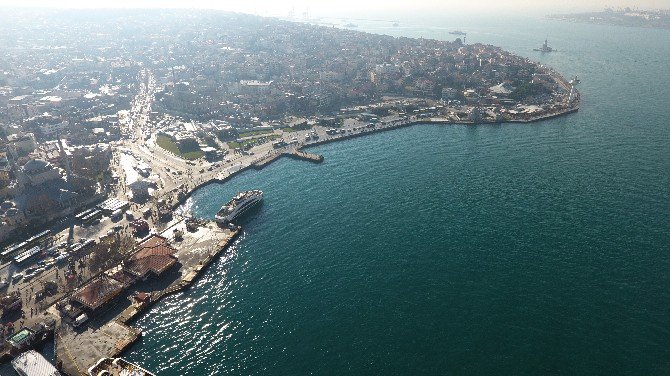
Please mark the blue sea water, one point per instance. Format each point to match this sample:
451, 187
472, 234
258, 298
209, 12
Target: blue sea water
475, 250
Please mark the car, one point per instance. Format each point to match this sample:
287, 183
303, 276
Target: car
81, 319
3, 284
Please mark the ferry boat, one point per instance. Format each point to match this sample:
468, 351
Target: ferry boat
117, 367
242, 202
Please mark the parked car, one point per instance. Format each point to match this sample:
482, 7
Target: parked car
81, 319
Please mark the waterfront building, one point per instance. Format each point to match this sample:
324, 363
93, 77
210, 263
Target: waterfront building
154, 257
21, 339
32, 363
98, 292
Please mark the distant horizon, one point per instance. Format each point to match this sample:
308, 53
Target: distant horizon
349, 8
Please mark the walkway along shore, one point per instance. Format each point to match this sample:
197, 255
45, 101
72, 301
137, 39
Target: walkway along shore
297, 152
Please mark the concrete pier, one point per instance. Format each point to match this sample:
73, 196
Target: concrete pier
110, 333
299, 154
294, 153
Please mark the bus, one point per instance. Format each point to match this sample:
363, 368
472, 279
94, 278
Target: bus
17, 248
27, 255
91, 217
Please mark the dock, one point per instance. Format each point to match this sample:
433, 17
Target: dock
293, 153
110, 331
266, 161
310, 157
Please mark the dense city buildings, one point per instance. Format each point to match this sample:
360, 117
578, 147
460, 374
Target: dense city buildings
70, 82
109, 120
631, 17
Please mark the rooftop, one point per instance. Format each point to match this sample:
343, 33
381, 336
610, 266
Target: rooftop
34, 364
20, 337
98, 292
155, 255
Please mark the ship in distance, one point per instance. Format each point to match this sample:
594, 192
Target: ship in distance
458, 32
239, 204
545, 48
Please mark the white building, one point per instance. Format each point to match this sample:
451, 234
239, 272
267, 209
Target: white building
32, 363
38, 171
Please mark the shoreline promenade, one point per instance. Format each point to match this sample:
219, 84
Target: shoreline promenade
296, 151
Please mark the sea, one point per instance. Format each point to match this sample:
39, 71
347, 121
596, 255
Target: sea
537, 249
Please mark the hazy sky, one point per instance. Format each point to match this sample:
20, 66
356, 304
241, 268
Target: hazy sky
322, 8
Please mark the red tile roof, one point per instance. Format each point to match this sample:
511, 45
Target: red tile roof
122, 276
98, 292
155, 255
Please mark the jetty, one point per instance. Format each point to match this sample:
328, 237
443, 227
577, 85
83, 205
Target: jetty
292, 153
310, 157
110, 332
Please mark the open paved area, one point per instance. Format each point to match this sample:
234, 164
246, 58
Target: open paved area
106, 334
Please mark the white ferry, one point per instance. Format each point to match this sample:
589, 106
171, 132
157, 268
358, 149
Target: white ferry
117, 367
242, 202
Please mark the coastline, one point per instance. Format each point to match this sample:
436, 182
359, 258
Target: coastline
296, 151
76, 350
120, 326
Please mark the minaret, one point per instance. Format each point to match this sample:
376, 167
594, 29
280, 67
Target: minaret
64, 157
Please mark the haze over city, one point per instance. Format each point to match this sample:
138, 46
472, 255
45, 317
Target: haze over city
294, 187
351, 7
